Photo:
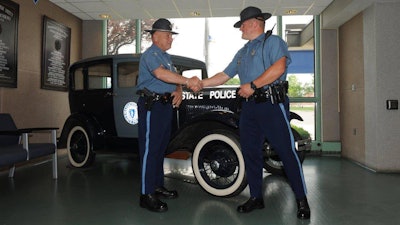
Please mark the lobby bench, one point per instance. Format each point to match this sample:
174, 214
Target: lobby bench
16, 148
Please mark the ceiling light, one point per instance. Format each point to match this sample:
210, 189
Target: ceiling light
291, 12
194, 13
105, 16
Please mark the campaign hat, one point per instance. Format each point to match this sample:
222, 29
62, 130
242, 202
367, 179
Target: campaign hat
249, 13
161, 25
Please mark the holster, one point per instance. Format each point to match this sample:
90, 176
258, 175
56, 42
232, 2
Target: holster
151, 97
278, 92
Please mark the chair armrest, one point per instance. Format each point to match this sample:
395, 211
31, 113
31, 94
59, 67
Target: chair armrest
27, 130
37, 129
10, 132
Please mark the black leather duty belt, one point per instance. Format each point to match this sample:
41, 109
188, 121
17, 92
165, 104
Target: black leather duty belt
260, 95
149, 95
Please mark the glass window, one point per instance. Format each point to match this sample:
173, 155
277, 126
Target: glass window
99, 76
128, 74
299, 35
78, 79
121, 36
146, 36
307, 111
191, 73
301, 85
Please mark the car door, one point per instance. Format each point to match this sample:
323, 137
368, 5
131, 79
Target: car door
93, 93
125, 97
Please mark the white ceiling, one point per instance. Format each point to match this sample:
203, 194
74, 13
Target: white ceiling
144, 9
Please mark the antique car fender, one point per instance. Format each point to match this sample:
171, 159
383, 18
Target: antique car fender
188, 135
295, 116
92, 127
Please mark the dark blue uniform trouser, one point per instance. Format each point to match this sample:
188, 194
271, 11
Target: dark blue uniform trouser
154, 135
266, 120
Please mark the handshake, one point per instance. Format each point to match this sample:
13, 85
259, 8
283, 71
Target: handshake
194, 83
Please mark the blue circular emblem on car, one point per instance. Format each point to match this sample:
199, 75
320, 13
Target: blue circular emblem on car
131, 113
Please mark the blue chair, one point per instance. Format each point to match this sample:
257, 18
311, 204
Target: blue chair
13, 152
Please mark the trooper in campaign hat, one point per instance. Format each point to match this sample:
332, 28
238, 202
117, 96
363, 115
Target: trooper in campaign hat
160, 90
162, 25
250, 13
262, 68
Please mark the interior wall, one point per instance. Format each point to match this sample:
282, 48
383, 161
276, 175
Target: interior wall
92, 38
30, 105
382, 79
351, 86
369, 75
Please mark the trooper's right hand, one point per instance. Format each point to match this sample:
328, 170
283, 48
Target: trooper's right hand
195, 84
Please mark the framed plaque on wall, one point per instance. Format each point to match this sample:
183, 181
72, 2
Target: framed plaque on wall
9, 13
55, 55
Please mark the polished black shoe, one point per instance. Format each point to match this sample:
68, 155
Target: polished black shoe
252, 203
303, 209
152, 203
162, 192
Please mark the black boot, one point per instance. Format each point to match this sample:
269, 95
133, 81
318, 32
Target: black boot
252, 203
303, 209
162, 192
152, 203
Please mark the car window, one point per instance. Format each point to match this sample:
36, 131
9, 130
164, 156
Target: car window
78, 79
192, 72
127, 74
99, 76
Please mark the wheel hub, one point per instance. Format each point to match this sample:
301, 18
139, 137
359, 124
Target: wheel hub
214, 165
222, 163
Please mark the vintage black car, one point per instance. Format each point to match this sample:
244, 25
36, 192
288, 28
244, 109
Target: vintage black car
102, 98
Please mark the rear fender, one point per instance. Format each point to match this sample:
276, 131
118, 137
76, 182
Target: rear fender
93, 127
296, 116
228, 118
192, 131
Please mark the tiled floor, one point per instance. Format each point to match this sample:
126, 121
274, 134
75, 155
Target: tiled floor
340, 193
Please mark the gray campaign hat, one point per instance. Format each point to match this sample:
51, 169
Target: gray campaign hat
162, 25
249, 13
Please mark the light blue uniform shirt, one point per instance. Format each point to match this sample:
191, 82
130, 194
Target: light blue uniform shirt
248, 61
152, 59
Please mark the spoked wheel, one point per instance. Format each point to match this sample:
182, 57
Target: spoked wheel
79, 147
272, 162
218, 164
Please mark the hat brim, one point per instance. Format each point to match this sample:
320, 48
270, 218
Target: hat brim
265, 16
162, 30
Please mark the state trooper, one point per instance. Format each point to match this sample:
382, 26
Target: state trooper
262, 68
160, 89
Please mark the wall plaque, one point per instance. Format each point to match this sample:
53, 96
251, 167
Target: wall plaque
9, 12
55, 55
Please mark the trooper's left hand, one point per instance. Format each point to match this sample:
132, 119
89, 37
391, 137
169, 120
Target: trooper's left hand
245, 90
177, 98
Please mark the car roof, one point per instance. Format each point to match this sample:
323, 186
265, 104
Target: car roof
180, 60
